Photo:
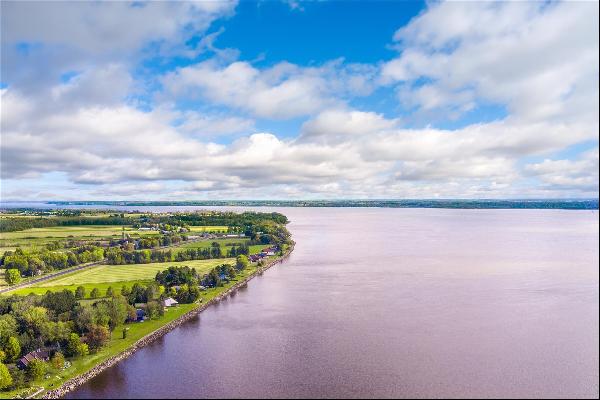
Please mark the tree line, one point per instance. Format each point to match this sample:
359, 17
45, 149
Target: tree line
34, 262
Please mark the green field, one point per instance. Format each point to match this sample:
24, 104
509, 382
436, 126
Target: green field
129, 272
75, 231
88, 287
208, 229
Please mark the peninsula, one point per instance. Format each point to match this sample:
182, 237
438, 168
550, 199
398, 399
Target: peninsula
82, 290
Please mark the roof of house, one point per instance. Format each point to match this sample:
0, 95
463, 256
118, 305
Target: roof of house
170, 301
34, 355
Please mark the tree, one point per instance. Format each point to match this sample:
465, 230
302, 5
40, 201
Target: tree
8, 327
12, 349
95, 293
154, 309
36, 369
84, 318
5, 378
18, 260
125, 291
110, 292
83, 350
58, 361
59, 302
19, 379
117, 309
241, 262
97, 337
80, 293
12, 276
34, 320
73, 344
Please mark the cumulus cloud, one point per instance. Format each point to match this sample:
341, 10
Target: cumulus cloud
42, 40
282, 91
578, 174
89, 128
539, 59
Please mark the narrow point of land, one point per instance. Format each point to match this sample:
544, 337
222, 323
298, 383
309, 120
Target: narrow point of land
102, 284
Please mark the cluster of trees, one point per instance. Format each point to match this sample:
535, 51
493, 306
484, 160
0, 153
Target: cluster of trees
175, 276
31, 263
32, 322
21, 223
162, 240
118, 256
236, 250
268, 233
188, 278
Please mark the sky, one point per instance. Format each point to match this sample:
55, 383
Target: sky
298, 100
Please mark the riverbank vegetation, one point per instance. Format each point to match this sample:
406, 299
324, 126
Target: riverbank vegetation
73, 314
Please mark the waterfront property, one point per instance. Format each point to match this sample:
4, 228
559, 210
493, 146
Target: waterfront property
39, 354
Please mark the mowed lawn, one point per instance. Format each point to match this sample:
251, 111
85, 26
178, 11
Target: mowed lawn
208, 229
75, 231
102, 287
129, 272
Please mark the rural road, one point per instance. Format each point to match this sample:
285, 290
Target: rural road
50, 276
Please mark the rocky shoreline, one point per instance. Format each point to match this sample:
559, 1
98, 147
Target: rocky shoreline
79, 380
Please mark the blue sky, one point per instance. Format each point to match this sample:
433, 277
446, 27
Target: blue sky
294, 99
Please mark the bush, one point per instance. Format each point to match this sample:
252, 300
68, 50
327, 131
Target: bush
80, 293
83, 350
6, 379
58, 361
12, 276
36, 369
97, 337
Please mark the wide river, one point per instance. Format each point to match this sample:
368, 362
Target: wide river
381, 302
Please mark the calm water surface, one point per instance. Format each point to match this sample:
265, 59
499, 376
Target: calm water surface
395, 303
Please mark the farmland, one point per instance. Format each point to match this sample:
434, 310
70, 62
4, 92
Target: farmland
129, 272
86, 231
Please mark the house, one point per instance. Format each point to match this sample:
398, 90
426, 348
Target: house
170, 302
269, 251
39, 354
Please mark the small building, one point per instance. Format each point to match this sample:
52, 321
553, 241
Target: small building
170, 302
39, 354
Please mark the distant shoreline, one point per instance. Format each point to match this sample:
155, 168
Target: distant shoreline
542, 204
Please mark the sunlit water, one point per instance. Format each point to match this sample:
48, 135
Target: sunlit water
395, 303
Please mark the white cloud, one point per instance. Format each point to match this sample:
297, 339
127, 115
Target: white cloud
340, 125
282, 91
579, 174
43, 39
539, 59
